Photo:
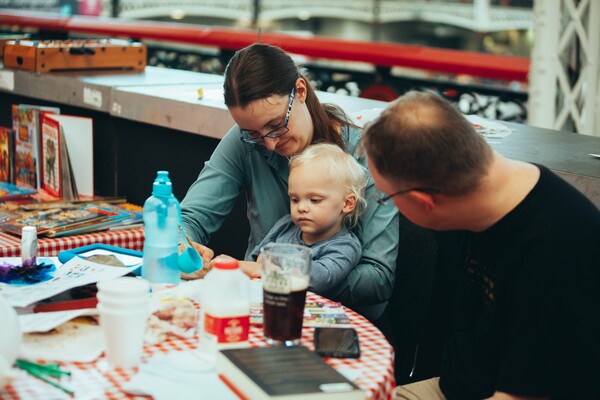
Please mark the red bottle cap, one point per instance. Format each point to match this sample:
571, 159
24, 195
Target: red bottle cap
226, 263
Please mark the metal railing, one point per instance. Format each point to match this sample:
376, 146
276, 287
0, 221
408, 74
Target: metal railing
479, 15
383, 58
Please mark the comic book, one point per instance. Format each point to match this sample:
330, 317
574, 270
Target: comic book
113, 215
323, 313
7, 151
50, 221
26, 125
9, 191
67, 156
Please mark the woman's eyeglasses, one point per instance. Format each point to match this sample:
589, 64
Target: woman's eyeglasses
382, 198
247, 136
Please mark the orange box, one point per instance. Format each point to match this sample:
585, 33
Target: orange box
7, 37
63, 55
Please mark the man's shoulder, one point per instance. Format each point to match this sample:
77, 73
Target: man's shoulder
553, 217
554, 222
563, 202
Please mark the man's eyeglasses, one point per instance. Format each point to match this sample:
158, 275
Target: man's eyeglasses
250, 136
383, 198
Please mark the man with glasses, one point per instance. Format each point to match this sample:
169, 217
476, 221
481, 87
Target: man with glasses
526, 315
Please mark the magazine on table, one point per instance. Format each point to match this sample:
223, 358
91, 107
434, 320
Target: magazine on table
60, 203
48, 222
58, 219
8, 191
325, 313
112, 216
322, 313
316, 314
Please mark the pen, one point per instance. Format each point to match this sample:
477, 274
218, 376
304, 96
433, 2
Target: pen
41, 371
44, 378
47, 369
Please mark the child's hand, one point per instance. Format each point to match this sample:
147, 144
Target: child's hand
251, 268
220, 257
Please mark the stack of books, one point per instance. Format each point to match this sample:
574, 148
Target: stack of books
8, 191
44, 149
57, 219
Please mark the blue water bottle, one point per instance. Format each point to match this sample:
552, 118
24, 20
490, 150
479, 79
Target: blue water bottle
161, 228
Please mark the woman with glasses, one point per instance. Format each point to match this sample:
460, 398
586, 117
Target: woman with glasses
278, 115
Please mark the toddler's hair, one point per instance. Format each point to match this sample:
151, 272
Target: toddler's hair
343, 168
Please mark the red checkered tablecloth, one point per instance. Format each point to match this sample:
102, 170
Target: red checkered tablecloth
133, 239
375, 367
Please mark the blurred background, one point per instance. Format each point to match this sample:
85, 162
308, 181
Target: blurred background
548, 91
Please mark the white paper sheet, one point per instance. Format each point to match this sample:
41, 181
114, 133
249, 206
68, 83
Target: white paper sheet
489, 129
178, 375
76, 272
45, 321
80, 340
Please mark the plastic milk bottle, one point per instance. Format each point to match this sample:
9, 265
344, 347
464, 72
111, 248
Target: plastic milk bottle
225, 307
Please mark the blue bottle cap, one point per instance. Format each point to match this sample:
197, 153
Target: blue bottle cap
162, 185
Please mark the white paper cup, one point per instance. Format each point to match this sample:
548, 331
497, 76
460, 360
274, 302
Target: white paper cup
124, 288
124, 308
120, 304
124, 335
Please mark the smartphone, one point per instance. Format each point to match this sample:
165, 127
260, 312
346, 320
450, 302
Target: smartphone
337, 342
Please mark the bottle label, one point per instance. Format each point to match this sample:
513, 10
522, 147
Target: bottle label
227, 329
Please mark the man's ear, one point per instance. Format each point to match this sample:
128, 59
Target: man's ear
426, 200
349, 203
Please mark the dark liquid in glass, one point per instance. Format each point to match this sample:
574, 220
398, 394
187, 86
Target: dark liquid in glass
283, 314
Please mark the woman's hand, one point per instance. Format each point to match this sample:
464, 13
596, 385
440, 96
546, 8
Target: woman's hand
207, 255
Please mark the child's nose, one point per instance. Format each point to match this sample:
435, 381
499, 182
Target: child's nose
302, 206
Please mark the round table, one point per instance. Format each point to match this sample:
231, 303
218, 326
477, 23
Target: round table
375, 367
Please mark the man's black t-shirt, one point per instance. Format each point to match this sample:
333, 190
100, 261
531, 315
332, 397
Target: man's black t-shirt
527, 316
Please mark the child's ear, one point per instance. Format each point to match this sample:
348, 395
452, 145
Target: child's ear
349, 203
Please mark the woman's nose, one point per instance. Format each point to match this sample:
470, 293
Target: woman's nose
270, 143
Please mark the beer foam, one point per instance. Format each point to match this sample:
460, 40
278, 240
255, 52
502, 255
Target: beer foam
277, 282
299, 283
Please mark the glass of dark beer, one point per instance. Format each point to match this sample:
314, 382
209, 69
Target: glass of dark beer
285, 276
